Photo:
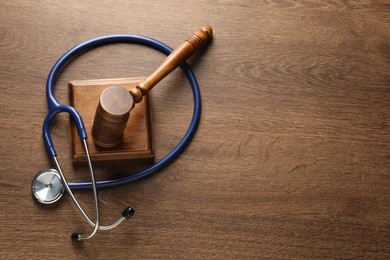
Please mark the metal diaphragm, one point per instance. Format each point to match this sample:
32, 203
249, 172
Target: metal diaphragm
47, 186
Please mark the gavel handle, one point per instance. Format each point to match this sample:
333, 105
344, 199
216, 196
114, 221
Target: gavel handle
177, 57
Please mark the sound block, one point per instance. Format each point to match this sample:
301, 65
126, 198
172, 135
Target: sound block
137, 143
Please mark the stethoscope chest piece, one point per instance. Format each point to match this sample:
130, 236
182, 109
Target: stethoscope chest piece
47, 186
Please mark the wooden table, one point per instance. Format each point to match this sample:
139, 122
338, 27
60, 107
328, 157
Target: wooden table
291, 159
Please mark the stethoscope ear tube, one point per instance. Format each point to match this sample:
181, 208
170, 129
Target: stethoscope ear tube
126, 214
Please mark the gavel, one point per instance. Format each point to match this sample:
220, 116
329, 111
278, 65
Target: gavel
115, 103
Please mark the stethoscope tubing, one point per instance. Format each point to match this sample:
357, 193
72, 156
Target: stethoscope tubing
55, 106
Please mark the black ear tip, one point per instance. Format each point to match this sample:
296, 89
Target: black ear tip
128, 213
75, 237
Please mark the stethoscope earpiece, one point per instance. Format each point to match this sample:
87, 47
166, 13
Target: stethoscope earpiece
75, 237
128, 213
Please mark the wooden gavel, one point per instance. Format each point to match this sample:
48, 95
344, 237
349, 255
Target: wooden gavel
115, 103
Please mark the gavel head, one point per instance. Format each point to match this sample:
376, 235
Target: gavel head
112, 114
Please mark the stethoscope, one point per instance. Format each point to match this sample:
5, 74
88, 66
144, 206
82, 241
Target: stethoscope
49, 185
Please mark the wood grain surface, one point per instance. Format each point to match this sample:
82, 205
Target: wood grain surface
291, 159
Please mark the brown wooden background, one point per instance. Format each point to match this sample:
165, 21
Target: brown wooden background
291, 160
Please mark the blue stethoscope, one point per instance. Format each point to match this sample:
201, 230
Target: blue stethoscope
49, 184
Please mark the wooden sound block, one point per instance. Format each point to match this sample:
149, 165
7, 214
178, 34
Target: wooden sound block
137, 143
